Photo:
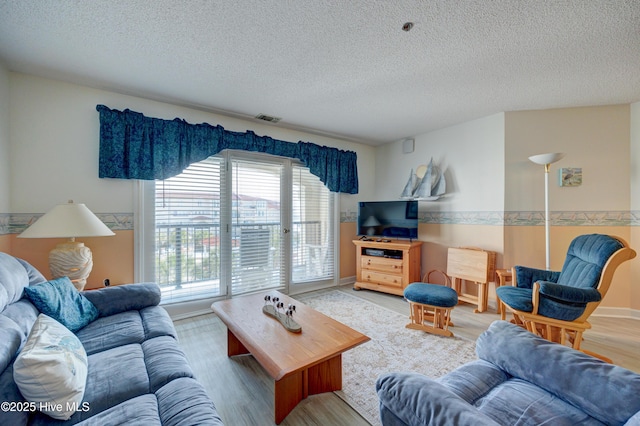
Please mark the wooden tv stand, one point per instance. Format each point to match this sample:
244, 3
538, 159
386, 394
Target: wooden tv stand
387, 266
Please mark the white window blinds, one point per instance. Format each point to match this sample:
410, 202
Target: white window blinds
256, 261
233, 224
312, 244
187, 232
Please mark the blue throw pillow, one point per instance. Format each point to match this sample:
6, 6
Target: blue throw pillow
60, 300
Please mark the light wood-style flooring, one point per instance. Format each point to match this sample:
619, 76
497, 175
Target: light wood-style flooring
243, 392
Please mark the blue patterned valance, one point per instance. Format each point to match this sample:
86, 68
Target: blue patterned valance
133, 146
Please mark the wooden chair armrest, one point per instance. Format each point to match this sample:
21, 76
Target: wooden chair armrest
535, 297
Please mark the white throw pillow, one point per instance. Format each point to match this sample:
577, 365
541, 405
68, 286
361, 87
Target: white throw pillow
51, 369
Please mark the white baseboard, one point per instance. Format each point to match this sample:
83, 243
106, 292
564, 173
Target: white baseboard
347, 280
604, 311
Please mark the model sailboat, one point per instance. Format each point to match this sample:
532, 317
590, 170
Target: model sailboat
431, 186
407, 192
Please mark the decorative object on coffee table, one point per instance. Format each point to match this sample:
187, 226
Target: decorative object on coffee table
285, 317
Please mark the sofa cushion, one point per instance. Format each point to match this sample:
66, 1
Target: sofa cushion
185, 402
142, 410
129, 297
473, 380
11, 336
24, 314
33, 274
415, 399
518, 402
59, 299
604, 391
157, 322
126, 328
13, 279
115, 375
52, 368
9, 392
112, 331
165, 361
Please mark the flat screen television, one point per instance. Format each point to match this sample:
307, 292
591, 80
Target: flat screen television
388, 219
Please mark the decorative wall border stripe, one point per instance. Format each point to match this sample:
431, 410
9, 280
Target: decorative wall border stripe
15, 223
4, 223
462, 218
522, 218
574, 218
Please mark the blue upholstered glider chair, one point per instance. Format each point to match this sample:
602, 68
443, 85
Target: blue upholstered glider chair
556, 305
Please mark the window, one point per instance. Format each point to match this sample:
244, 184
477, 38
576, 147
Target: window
237, 223
313, 230
187, 253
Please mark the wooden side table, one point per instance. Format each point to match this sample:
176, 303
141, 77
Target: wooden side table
504, 276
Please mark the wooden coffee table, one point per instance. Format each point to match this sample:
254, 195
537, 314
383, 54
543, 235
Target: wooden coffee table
301, 364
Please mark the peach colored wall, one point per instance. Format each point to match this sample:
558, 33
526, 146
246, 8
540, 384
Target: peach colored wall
347, 250
597, 139
635, 269
635, 203
437, 240
112, 256
5, 243
523, 238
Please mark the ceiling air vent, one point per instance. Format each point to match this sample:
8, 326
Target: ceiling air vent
268, 118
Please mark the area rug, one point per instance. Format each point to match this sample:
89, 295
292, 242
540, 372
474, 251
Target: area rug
392, 348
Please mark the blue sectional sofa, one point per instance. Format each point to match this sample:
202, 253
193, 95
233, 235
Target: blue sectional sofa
135, 371
519, 379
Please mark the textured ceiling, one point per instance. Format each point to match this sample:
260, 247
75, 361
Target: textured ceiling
337, 67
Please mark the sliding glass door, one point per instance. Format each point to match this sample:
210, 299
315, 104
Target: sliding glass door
238, 223
256, 226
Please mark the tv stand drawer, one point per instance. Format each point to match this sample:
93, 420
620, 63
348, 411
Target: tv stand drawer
382, 264
391, 272
382, 278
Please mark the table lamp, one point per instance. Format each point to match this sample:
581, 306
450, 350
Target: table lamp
546, 160
71, 258
371, 224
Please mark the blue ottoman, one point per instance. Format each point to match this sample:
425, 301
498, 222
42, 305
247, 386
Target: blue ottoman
431, 303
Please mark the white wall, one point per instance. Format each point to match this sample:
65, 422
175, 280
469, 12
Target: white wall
595, 139
635, 205
635, 156
470, 154
54, 136
5, 155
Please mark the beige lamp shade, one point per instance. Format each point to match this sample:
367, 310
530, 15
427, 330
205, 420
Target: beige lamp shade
67, 221
71, 258
371, 223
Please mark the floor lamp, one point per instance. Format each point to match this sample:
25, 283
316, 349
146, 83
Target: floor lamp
546, 160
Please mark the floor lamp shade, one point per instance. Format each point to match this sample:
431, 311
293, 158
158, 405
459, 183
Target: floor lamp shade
71, 258
546, 160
